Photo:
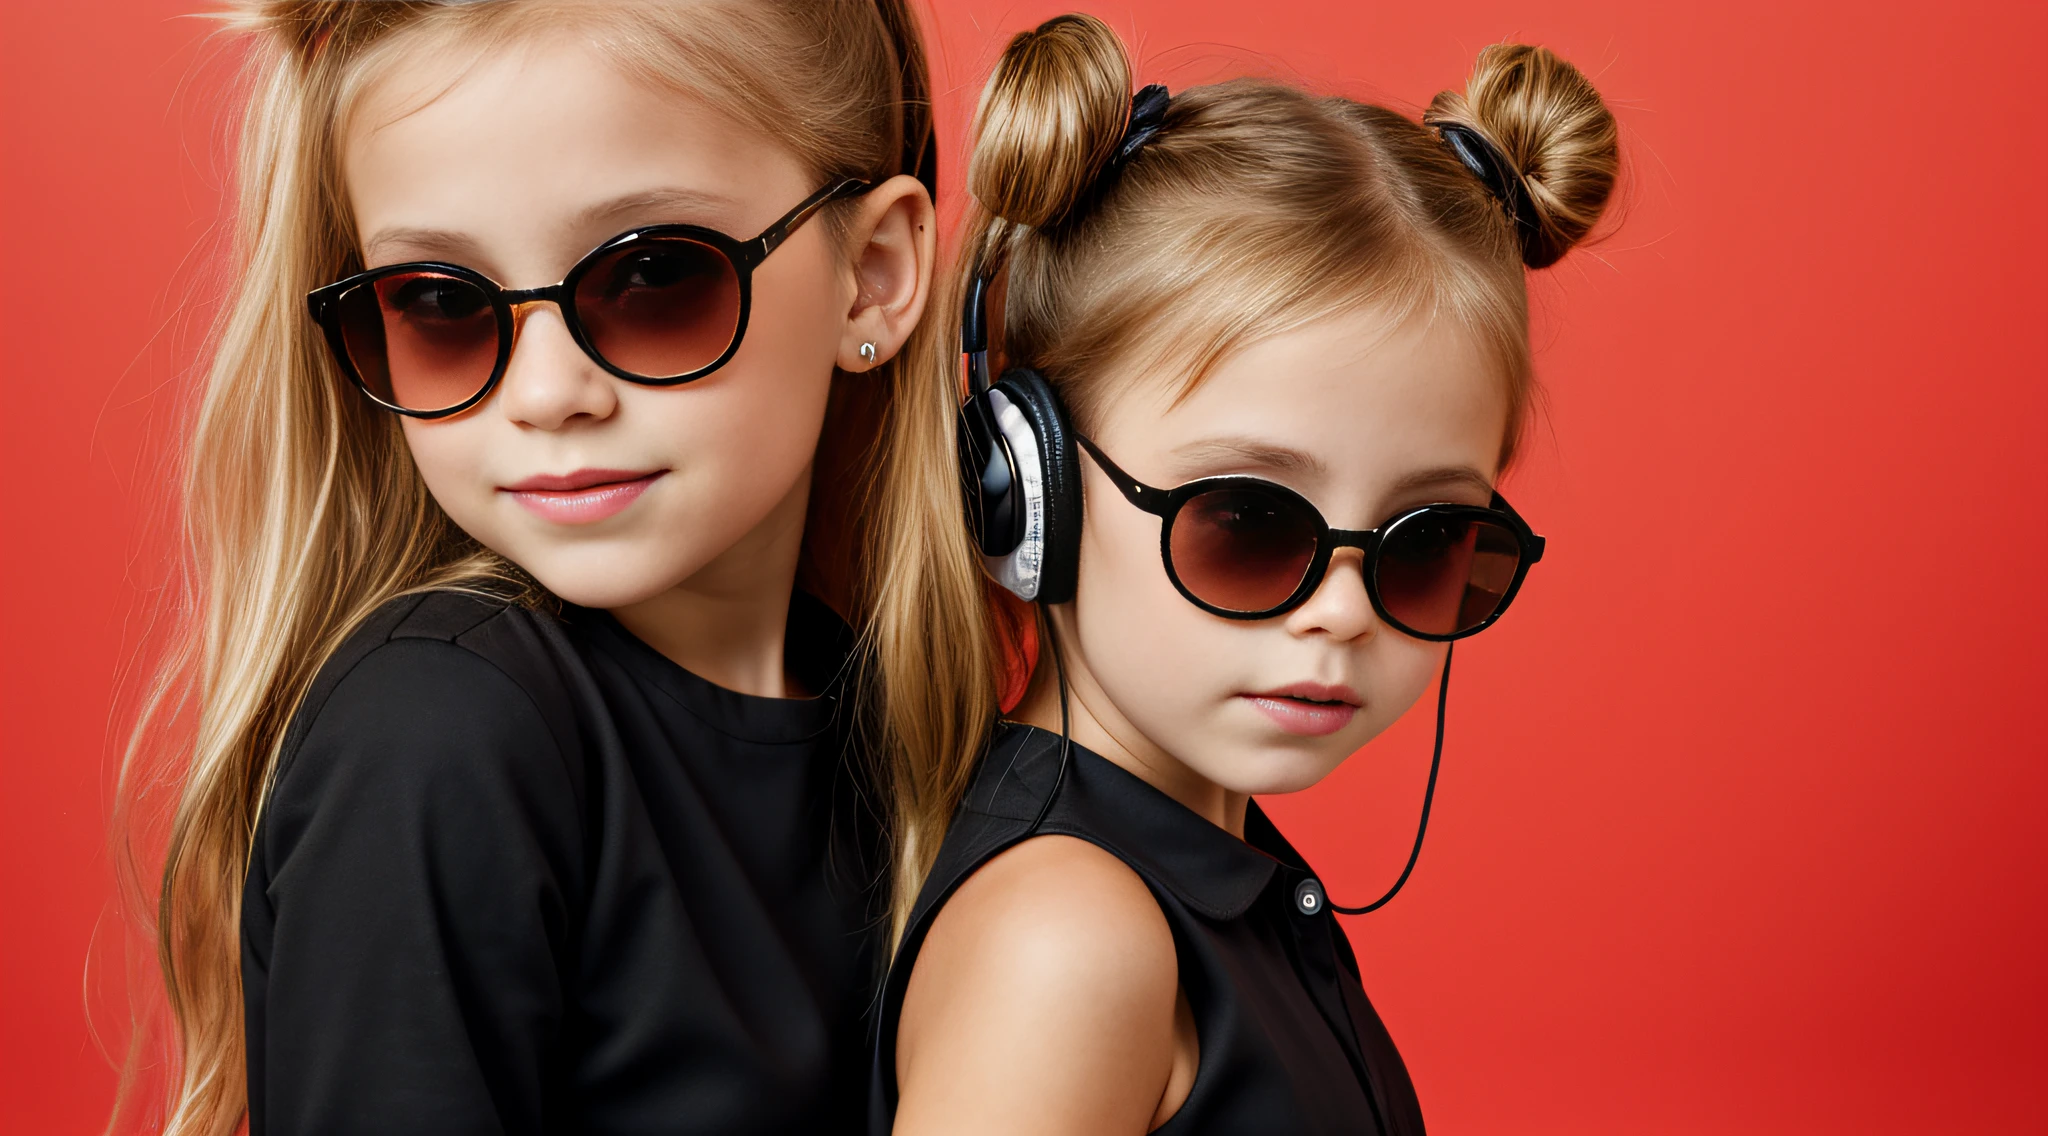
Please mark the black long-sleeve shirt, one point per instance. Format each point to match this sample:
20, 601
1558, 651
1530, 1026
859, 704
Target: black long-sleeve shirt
520, 873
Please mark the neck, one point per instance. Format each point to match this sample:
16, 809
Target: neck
1094, 721
726, 623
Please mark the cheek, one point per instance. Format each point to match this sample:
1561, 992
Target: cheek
754, 423
749, 429
739, 445
1399, 673
449, 454
1160, 658
799, 305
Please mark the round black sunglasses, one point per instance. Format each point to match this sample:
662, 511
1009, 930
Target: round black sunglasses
1247, 548
658, 305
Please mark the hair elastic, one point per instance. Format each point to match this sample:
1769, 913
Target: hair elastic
1494, 171
1148, 114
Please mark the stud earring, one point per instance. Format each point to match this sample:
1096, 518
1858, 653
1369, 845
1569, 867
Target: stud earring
867, 354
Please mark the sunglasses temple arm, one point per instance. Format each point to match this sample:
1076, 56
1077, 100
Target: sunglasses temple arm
1153, 501
772, 237
1436, 761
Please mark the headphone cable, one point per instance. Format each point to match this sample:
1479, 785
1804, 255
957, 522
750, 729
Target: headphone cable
1443, 693
1066, 735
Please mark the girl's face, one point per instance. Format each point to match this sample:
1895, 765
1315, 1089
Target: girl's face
607, 491
1363, 419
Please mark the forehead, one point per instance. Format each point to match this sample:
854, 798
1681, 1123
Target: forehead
535, 133
1370, 399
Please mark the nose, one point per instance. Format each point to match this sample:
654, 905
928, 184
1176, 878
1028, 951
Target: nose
550, 382
1339, 607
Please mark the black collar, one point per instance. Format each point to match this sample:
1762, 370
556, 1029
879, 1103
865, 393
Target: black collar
1205, 867
819, 647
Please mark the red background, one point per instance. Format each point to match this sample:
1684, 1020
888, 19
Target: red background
1739, 823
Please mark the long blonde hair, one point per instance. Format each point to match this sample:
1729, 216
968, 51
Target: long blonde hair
303, 511
1256, 208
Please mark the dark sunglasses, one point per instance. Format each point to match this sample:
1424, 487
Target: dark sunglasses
660, 305
1246, 548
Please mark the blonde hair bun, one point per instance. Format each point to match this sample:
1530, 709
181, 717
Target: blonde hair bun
1050, 120
1555, 132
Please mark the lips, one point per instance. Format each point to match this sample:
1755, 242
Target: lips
584, 496
1309, 709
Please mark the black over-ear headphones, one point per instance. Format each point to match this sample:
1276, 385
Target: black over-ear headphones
1019, 470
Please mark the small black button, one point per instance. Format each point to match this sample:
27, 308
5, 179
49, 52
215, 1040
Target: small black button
1309, 898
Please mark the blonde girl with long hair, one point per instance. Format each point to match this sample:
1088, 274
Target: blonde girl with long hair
549, 701
1267, 358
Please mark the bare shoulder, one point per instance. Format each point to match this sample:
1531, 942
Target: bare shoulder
1043, 997
1061, 909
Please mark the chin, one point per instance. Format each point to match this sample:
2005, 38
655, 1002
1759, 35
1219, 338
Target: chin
1265, 770
604, 595
596, 578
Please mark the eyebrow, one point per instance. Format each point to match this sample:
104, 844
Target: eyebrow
437, 244
1254, 452
1287, 459
1443, 477
666, 204
668, 201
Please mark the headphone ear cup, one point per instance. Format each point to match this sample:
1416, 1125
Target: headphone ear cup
988, 479
1013, 519
1059, 483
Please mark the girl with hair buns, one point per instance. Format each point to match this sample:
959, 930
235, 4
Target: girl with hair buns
546, 693
1277, 346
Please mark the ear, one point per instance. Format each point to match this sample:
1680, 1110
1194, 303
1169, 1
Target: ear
891, 241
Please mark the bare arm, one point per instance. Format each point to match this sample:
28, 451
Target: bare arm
1045, 1001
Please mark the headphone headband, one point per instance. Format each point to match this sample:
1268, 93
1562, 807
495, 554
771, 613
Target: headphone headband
974, 334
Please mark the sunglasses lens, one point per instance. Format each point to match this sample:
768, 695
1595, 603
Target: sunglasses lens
660, 307
420, 340
1243, 549
1444, 573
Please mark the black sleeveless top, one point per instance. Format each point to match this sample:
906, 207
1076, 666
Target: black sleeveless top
1289, 1043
